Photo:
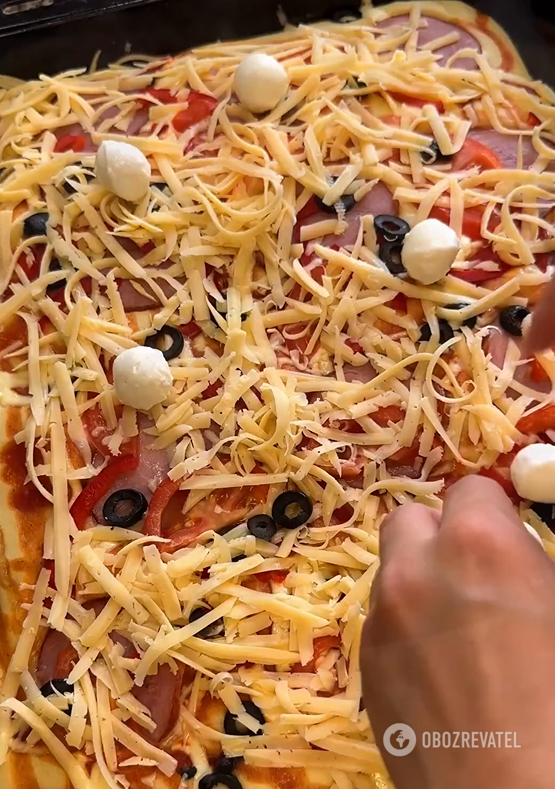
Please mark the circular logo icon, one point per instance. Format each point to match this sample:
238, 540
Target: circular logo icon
399, 739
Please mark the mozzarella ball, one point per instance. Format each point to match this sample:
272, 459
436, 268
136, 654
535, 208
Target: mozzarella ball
533, 473
123, 169
429, 251
142, 377
533, 533
260, 82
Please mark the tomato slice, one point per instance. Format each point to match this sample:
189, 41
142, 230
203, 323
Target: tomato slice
96, 429
389, 413
472, 220
537, 373
322, 646
32, 269
398, 303
218, 510
163, 95
475, 153
414, 101
273, 576
70, 142
101, 484
538, 422
200, 107
501, 475
406, 455
309, 208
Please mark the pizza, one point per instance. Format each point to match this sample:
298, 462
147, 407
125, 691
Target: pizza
254, 297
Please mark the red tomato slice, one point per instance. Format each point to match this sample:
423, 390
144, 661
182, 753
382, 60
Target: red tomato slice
309, 208
96, 429
163, 95
273, 576
200, 107
475, 153
537, 373
501, 476
389, 413
32, 270
414, 101
70, 142
532, 120
222, 508
101, 484
322, 646
538, 422
218, 510
406, 455
398, 303
355, 346
472, 220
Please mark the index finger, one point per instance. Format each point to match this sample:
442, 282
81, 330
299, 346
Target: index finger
480, 504
541, 334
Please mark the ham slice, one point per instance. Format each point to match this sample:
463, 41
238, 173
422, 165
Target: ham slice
437, 28
160, 693
363, 374
496, 345
153, 468
505, 146
378, 200
52, 647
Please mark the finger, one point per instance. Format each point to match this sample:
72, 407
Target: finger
476, 500
541, 334
405, 529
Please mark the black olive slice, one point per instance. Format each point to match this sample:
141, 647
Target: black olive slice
69, 189
233, 727
345, 202
470, 322
35, 225
445, 332
157, 340
54, 686
291, 509
546, 513
187, 772
511, 319
390, 253
213, 779
227, 764
391, 227
345, 14
210, 631
133, 504
55, 265
262, 526
432, 154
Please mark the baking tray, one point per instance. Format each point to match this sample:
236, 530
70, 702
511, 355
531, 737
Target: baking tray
47, 36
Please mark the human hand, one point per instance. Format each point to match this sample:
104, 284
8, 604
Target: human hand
461, 637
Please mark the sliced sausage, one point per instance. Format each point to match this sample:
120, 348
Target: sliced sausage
437, 28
